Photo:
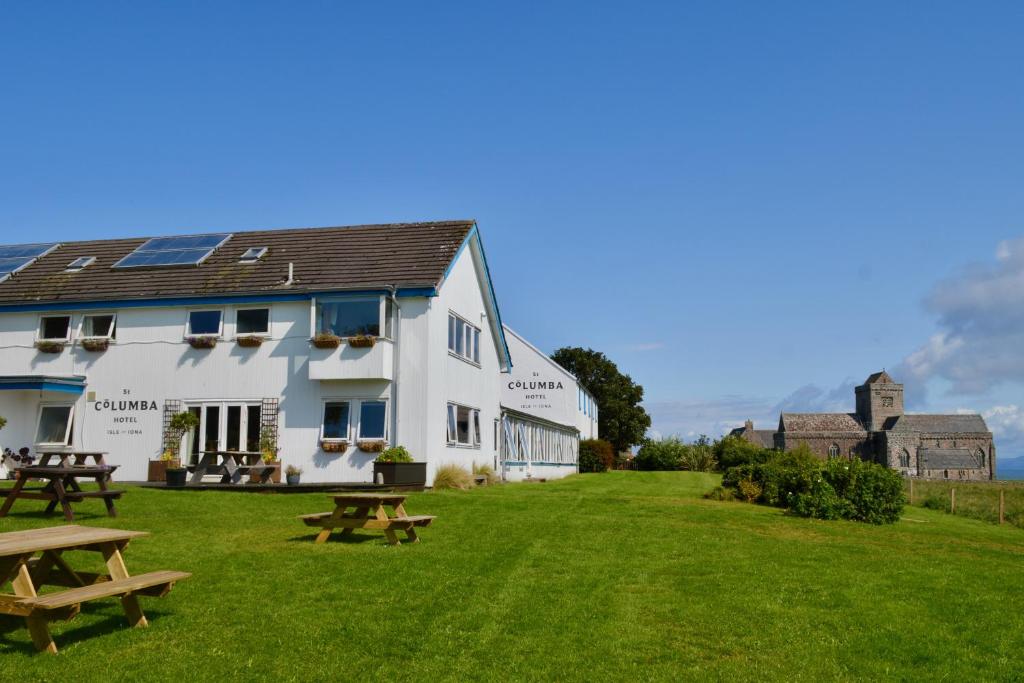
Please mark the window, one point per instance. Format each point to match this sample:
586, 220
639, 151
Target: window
80, 264
349, 318
99, 325
372, 420
389, 314
252, 321
226, 426
335, 425
981, 456
253, 254
463, 425
833, 451
905, 458
463, 339
203, 323
887, 401
55, 425
55, 327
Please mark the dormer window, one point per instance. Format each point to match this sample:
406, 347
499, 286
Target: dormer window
253, 254
80, 264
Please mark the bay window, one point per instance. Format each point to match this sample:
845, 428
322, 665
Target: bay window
349, 318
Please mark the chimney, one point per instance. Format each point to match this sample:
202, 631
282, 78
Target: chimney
749, 425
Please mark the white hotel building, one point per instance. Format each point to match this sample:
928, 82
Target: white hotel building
102, 341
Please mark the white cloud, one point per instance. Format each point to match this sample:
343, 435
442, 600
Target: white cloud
981, 320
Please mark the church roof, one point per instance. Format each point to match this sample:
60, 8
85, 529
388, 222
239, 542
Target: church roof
882, 377
969, 424
947, 459
765, 438
820, 422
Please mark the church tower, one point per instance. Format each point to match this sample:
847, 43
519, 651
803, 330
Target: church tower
878, 399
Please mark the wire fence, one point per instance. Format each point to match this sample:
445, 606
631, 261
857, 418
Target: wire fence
998, 502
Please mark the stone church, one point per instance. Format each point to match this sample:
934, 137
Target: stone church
928, 446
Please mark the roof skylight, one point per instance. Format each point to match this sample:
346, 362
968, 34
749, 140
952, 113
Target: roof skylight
80, 263
253, 254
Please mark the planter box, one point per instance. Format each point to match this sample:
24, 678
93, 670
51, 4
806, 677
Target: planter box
401, 473
334, 446
250, 341
95, 344
202, 342
362, 342
326, 341
371, 446
157, 470
275, 477
176, 477
50, 346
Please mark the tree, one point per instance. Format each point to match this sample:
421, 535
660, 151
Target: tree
621, 418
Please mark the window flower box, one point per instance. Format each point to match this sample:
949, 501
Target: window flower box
375, 446
50, 346
362, 341
326, 340
202, 342
95, 344
333, 446
249, 341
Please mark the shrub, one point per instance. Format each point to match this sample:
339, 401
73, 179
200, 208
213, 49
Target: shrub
453, 477
486, 471
749, 489
934, 502
394, 454
596, 455
837, 489
699, 456
732, 451
3, 421
720, 493
662, 454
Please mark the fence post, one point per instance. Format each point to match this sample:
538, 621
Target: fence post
911, 490
1002, 506
952, 501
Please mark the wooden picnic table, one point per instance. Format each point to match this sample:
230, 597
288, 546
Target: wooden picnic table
27, 573
232, 466
62, 487
369, 511
69, 458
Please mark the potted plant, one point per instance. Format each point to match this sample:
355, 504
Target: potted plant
293, 474
374, 446
362, 341
395, 466
95, 343
249, 341
158, 468
50, 346
181, 427
269, 451
203, 341
326, 340
175, 474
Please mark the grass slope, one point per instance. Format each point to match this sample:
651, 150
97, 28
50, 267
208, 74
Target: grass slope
624, 575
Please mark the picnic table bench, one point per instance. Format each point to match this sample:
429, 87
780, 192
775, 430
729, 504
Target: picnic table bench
62, 487
69, 458
369, 511
27, 573
232, 466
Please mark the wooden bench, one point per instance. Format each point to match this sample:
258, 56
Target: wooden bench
153, 584
367, 511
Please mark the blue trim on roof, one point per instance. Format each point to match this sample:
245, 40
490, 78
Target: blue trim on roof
490, 292
202, 300
70, 385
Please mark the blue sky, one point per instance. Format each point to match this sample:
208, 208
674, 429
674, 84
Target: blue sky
746, 205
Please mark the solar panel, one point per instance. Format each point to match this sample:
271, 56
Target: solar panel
25, 250
173, 251
14, 257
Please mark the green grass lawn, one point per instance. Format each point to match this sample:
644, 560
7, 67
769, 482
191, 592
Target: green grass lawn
617, 576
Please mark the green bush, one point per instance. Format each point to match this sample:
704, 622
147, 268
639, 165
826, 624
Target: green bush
720, 493
699, 456
394, 454
807, 486
453, 476
661, 455
3, 421
596, 455
732, 451
935, 503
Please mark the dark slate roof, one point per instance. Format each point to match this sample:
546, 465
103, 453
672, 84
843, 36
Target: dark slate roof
820, 422
882, 377
765, 438
946, 424
405, 255
947, 459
